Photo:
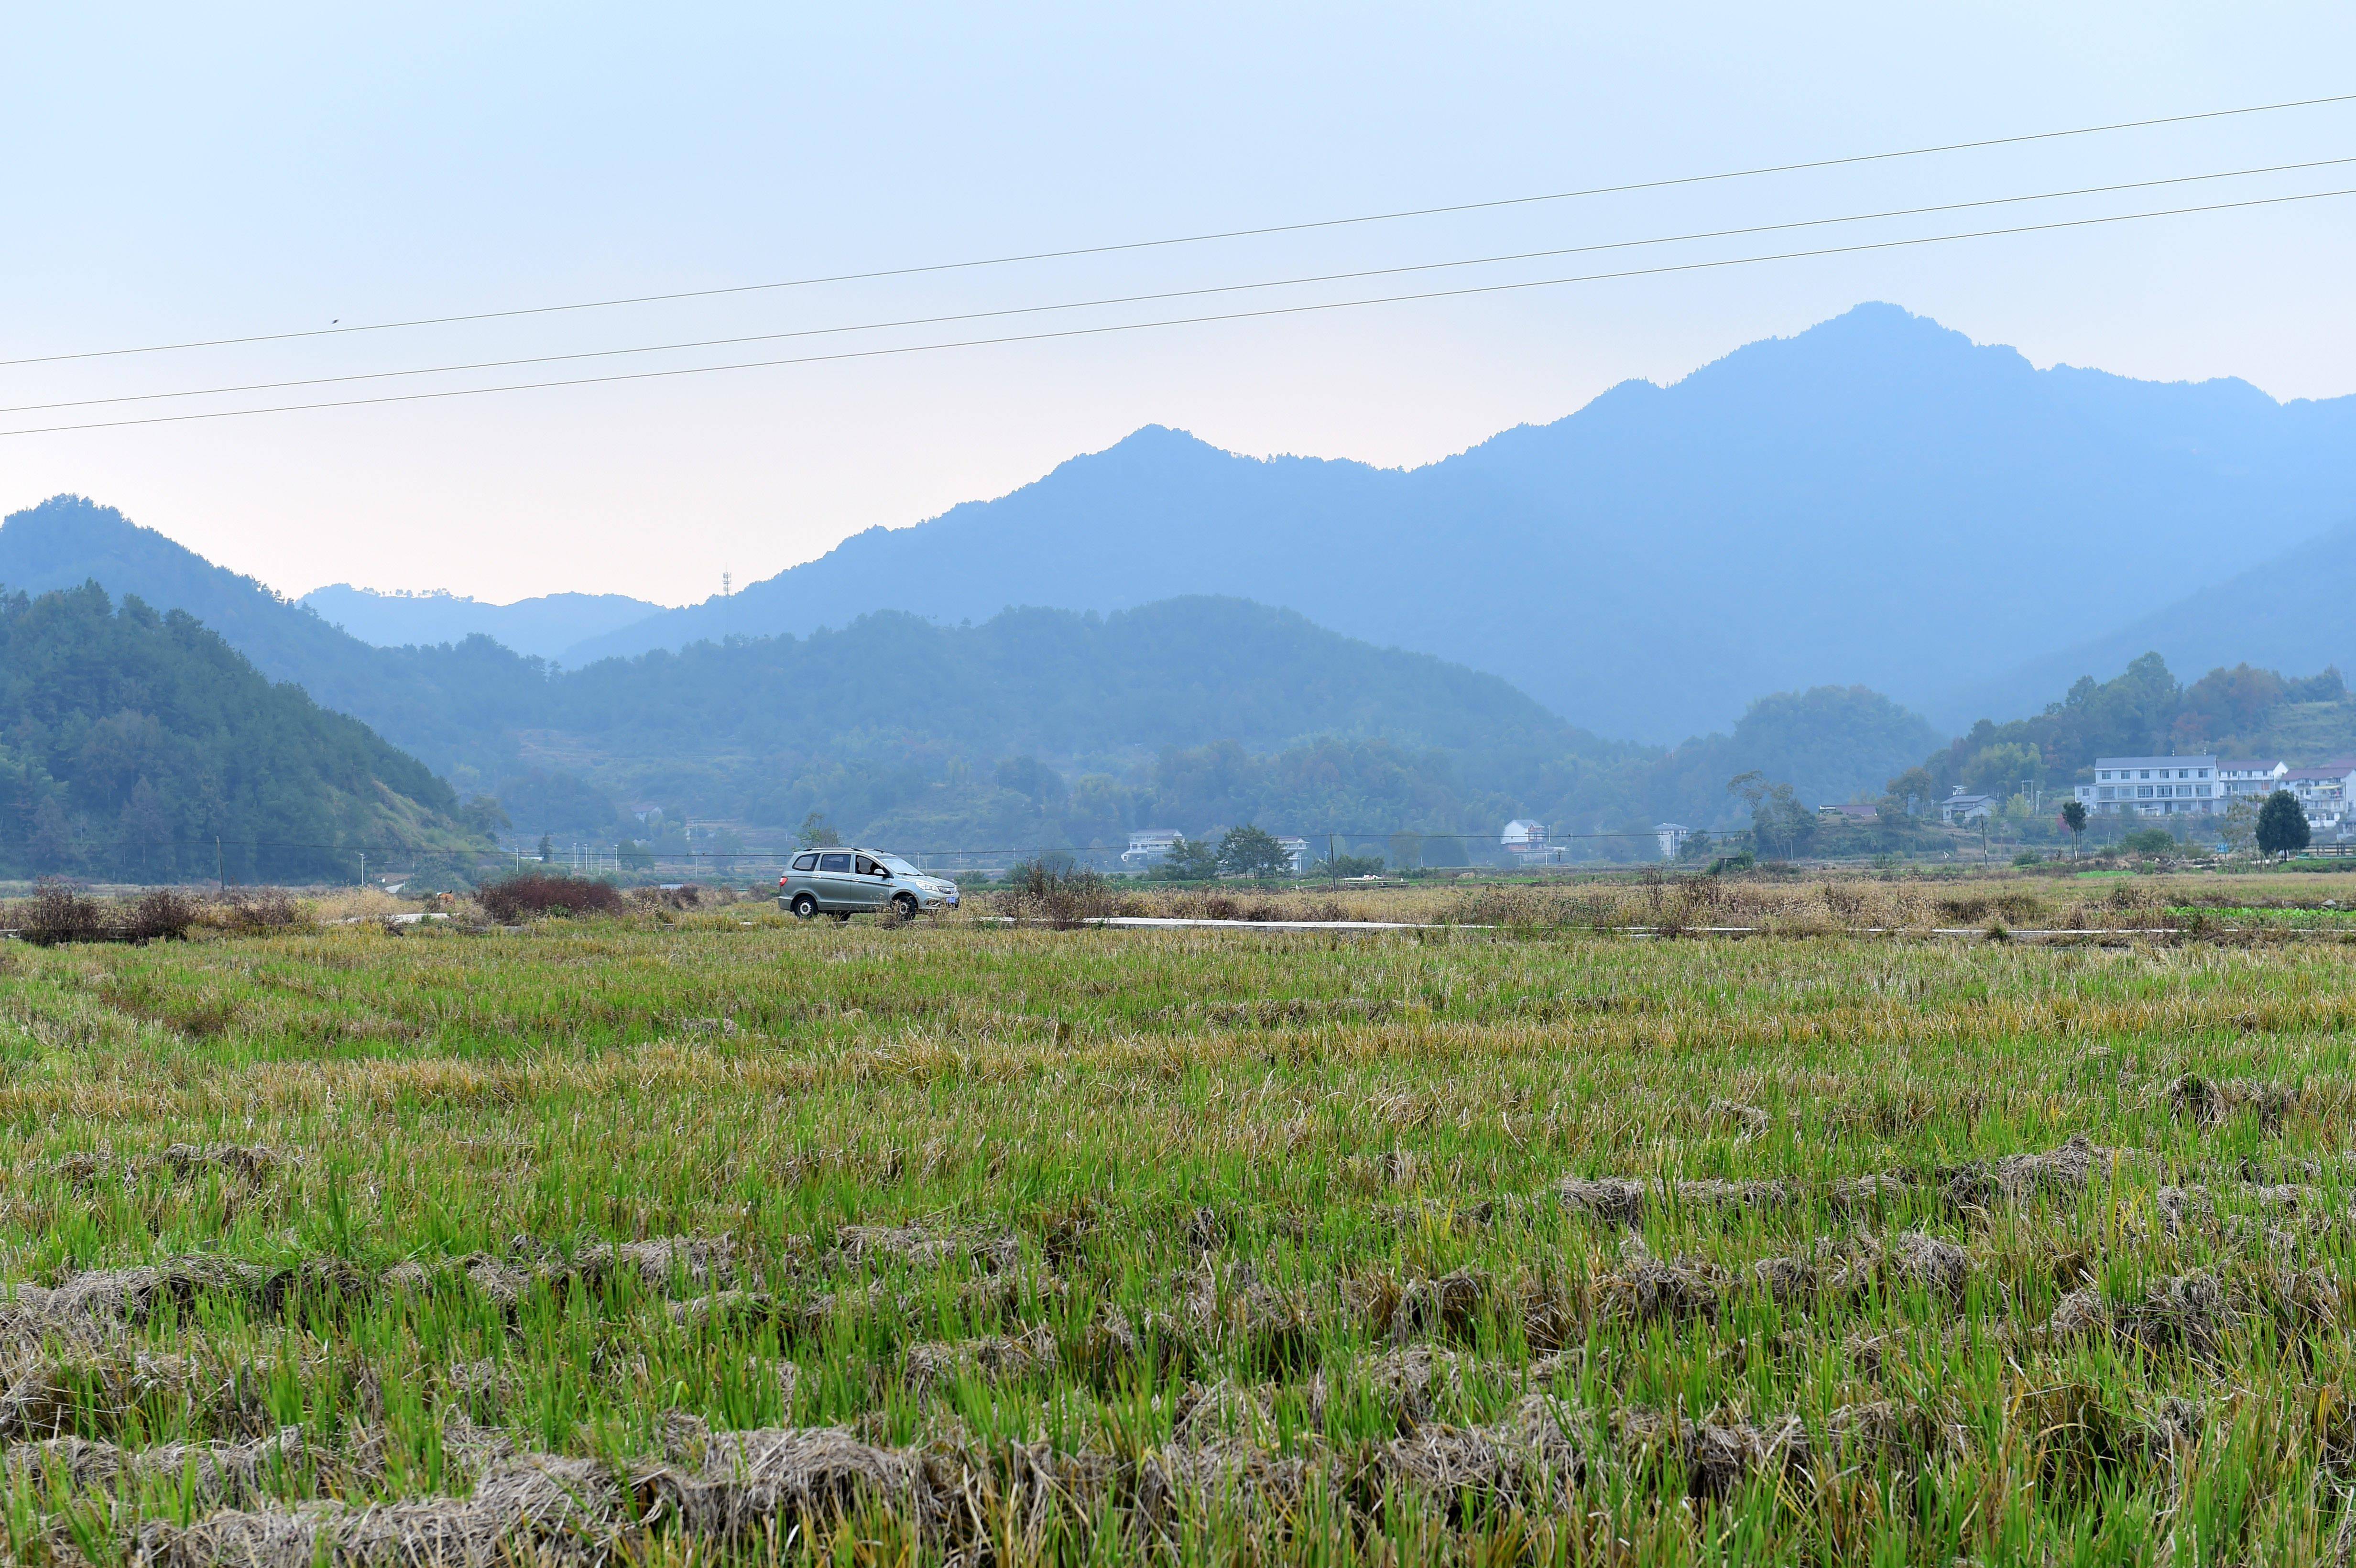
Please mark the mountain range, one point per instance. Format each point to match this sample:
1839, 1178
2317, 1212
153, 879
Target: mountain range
1877, 500
1033, 726
543, 627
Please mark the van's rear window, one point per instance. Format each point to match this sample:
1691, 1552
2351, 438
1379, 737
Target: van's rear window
805, 862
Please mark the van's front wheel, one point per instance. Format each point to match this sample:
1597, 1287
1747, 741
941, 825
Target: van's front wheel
804, 906
906, 904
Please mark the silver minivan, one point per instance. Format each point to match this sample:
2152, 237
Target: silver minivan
844, 882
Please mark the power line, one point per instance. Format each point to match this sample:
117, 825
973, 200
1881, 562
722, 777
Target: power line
1185, 293
1262, 231
1271, 311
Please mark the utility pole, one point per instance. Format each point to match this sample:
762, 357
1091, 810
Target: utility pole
364, 868
220, 864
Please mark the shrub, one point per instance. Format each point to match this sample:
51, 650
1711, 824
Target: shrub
1061, 897
60, 911
516, 899
2149, 841
253, 909
162, 914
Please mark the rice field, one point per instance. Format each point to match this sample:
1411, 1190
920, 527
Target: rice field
713, 1237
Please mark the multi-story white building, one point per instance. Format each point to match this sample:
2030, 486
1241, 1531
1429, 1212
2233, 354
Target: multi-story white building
1296, 851
1148, 846
2323, 792
2244, 776
2155, 786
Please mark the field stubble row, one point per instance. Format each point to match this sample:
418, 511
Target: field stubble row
1022, 1244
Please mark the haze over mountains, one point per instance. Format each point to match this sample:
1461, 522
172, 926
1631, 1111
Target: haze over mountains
1035, 726
543, 627
1874, 503
1874, 500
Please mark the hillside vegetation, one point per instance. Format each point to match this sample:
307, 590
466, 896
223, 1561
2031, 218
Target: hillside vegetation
130, 740
1032, 728
2146, 711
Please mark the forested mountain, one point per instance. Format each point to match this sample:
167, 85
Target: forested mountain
130, 741
1877, 500
542, 627
446, 705
1033, 726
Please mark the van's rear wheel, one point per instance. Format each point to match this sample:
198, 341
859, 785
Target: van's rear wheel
804, 906
906, 904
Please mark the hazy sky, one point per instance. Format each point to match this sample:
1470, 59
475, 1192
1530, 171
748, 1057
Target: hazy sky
175, 173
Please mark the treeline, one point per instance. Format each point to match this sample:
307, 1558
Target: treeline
2144, 711
1602, 805
130, 740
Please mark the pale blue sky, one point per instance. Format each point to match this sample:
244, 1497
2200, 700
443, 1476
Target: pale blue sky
170, 176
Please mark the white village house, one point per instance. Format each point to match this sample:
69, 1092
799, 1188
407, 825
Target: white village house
1960, 808
1148, 846
2323, 792
2155, 786
1673, 837
2259, 776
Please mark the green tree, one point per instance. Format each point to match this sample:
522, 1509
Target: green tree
484, 818
816, 833
2074, 818
2241, 830
1252, 851
1780, 825
1998, 770
1190, 861
146, 832
50, 845
1911, 792
547, 848
2282, 825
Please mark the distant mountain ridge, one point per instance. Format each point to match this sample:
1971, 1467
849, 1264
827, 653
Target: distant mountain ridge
2296, 611
1196, 710
541, 627
1876, 499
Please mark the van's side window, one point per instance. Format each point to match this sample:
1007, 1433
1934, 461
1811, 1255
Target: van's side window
834, 862
805, 862
866, 867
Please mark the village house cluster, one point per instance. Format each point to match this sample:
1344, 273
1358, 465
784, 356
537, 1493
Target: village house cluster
2209, 785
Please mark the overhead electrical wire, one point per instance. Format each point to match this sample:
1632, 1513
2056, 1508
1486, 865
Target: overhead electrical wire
1266, 312
1627, 187
348, 377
